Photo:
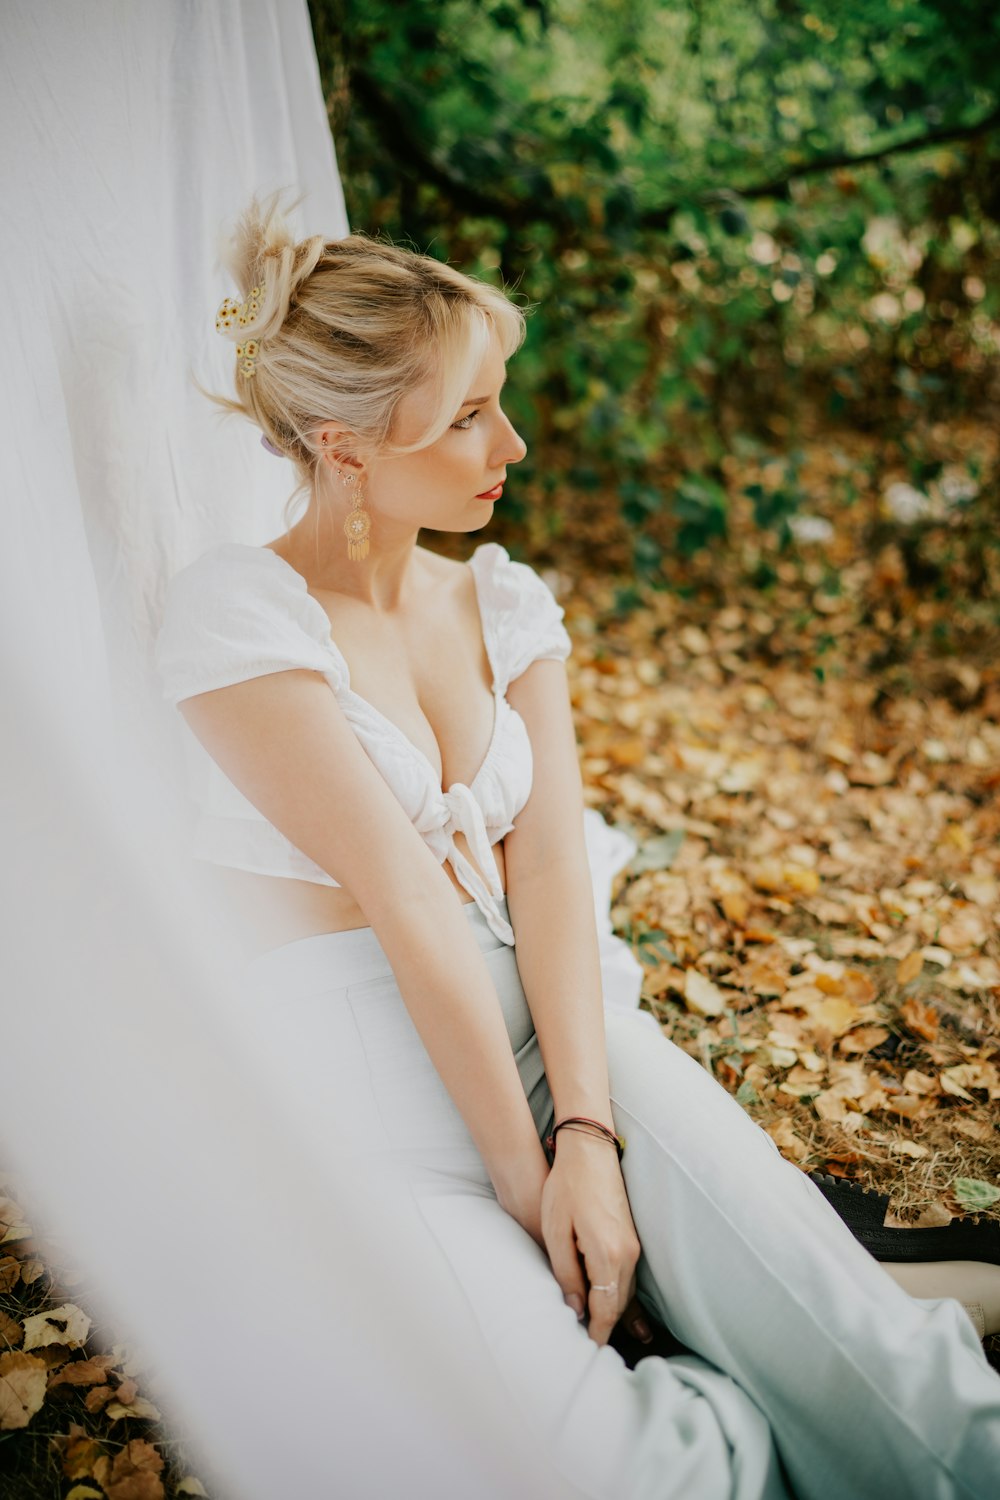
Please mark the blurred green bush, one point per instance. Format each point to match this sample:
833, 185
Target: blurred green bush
724, 217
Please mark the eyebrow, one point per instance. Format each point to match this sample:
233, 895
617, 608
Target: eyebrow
480, 400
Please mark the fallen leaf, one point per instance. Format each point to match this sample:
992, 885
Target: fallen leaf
871, 770
10, 1271
909, 1148
974, 1194
920, 1018
16, 1232
915, 1082
22, 1389
975, 1130
983, 974
82, 1372
139, 1408
833, 1015
830, 1105
976, 1075
67, 1324
189, 1485
984, 891
857, 947
701, 995
80, 1454
788, 1143
811, 1060
628, 752
967, 929
85, 1491
758, 935
951, 1086
736, 908
31, 1269
801, 1082
658, 853
858, 986
863, 1039
934, 1216
910, 1106
803, 881
764, 979
140, 1456
910, 968
11, 1332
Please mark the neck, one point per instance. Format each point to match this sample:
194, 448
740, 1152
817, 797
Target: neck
316, 547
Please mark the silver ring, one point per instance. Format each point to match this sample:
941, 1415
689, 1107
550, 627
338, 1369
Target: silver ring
612, 1286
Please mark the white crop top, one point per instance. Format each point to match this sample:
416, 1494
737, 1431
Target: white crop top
241, 612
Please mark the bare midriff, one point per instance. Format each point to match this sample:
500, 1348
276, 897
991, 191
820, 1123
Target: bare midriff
278, 910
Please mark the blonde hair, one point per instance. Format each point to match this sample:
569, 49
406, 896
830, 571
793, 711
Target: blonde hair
346, 328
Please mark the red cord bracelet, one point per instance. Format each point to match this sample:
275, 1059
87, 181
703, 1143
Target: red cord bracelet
616, 1140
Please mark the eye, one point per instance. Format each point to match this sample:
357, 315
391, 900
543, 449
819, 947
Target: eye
464, 423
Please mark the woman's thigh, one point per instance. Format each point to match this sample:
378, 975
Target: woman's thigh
670, 1430
673, 1429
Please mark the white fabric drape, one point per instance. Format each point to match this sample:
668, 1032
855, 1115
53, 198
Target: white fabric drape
136, 1108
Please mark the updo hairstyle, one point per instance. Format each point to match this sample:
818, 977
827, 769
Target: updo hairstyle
346, 328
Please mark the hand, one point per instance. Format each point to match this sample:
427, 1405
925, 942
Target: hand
589, 1234
521, 1196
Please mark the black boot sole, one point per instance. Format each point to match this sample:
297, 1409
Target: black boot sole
863, 1211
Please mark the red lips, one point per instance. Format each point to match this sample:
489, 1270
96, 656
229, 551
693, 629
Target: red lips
493, 494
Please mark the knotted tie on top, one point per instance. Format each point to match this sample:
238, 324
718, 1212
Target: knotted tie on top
461, 813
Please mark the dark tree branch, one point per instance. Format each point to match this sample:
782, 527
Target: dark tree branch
837, 160
396, 131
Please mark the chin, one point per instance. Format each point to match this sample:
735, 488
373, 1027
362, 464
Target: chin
463, 527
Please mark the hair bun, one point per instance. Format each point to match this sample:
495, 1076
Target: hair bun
262, 252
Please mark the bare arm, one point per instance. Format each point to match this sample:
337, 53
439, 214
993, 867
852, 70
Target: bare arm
285, 742
551, 902
586, 1221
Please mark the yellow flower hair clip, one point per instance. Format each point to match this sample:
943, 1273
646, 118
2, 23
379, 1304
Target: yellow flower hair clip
247, 353
242, 313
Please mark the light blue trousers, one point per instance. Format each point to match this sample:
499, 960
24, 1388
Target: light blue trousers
813, 1376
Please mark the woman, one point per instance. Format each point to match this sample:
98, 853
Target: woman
395, 775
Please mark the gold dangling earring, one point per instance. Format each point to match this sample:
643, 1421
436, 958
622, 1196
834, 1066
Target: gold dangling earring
357, 525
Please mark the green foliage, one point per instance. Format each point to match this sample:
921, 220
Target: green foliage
975, 1195
719, 214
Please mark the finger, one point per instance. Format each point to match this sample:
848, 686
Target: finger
605, 1306
608, 1301
634, 1320
560, 1245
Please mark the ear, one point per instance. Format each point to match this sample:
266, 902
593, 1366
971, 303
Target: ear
336, 449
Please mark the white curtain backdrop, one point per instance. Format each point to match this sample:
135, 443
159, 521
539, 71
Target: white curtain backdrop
133, 133
137, 1109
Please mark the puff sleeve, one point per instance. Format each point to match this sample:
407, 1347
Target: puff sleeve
240, 612
522, 622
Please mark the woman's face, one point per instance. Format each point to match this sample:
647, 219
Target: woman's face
442, 487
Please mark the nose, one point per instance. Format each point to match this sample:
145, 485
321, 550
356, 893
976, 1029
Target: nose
511, 447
